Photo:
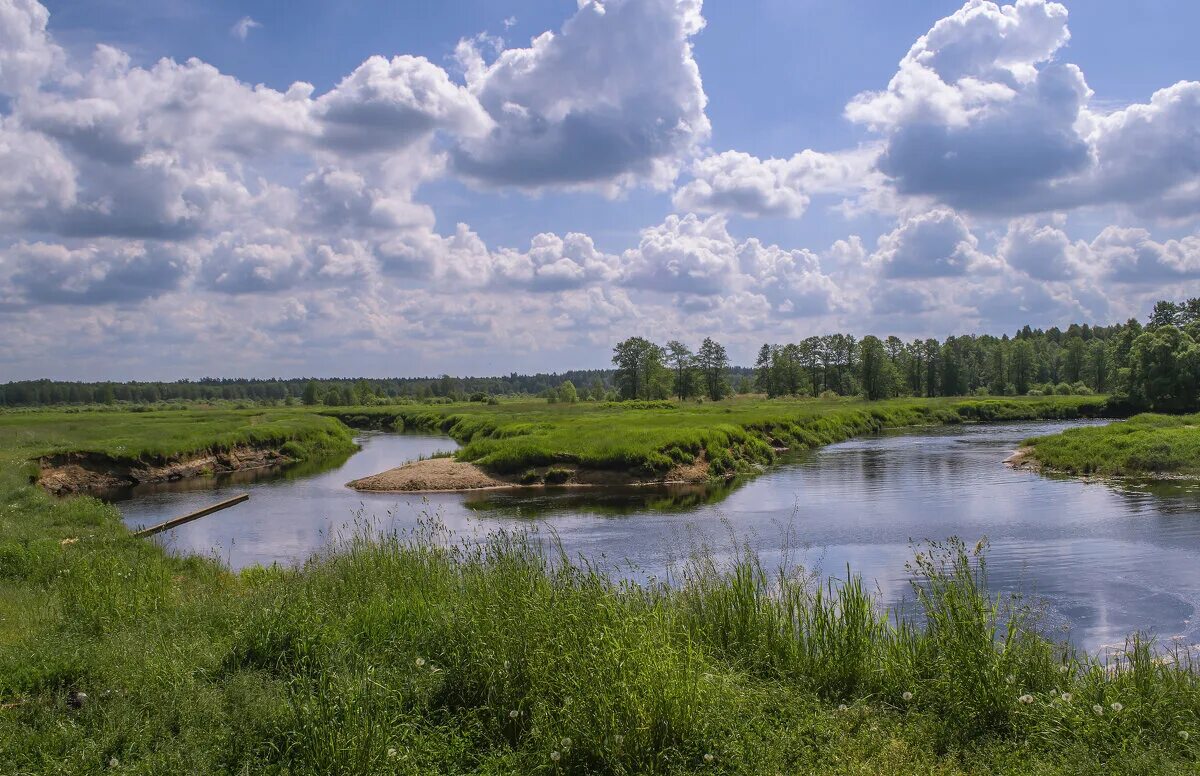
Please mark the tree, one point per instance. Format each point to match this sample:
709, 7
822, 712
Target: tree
875, 369
639, 364
762, 371
1074, 360
1164, 369
1022, 365
1098, 366
1165, 314
567, 392
713, 363
680, 356
311, 395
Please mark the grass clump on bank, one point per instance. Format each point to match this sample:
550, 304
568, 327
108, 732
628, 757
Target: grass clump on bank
1146, 445
649, 438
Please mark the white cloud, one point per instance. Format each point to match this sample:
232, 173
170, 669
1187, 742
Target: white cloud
932, 245
27, 54
611, 101
736, 182
241, 28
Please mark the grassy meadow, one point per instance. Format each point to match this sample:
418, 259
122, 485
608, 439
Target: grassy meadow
1148, 445
422, 652
650, 437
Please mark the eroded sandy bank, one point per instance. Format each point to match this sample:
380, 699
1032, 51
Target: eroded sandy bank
92, 472
446, 474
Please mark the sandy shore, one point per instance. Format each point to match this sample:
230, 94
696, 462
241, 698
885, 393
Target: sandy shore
446, 474
433, 474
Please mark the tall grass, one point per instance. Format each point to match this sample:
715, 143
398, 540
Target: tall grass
424, 652
1145, 445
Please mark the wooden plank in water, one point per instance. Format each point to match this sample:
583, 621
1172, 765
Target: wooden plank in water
176, 521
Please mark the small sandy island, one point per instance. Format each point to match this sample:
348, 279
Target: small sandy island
432, 474
446, 474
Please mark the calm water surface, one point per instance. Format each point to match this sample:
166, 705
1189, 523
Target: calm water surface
1105, 561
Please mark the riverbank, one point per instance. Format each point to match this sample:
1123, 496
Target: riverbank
431, 653
528, 444
1148, 446
88, 452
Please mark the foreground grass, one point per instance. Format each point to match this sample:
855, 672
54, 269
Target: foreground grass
1145, 445
421, 654
732, 435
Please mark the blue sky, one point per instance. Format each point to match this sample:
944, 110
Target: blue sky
445, 193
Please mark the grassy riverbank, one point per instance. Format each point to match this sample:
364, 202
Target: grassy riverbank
1146, 445
421, 654
647, 438
418, 654
159, 437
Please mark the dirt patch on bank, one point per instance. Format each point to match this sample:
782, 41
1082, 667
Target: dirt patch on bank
446, 474
93, 472
1024, 459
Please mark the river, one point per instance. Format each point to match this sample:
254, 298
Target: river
1101, 561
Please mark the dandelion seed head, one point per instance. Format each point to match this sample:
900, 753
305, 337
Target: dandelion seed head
1010, 679
114, 763
565, 743
392, 754
1062, 669
420, 662
1066, 696
842, 707
1026, 699
1099, 710
708, 758
1117, 707
555, 756
514, 714
907, 695
1183, 734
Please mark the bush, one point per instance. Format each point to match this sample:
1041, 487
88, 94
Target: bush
1062, 389
557, 475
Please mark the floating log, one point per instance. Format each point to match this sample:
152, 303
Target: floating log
177, 521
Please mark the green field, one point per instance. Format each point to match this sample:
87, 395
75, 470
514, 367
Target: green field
1147, 445
423, 653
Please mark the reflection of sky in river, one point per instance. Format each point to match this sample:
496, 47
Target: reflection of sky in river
1107, 561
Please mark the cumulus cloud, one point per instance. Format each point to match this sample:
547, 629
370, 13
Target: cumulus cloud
1131, 255
27, 53
932, 245
384, 105
1042, 250
105, 272
736, 182
612, 100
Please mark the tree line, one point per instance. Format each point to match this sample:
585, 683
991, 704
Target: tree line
1152, 366
1155, 365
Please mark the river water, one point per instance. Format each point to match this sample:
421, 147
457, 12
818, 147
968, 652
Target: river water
1101, 561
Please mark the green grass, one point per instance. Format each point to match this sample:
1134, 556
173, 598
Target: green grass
157, 436
735, 435
1146, 445
426, 653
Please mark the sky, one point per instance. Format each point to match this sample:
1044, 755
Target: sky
478, 187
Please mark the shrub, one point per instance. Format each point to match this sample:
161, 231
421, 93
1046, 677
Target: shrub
557, 475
